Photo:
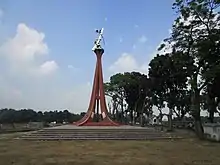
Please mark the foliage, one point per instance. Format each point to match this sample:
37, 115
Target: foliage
28, 115
195, 36
115, 89
133, 88
169, 78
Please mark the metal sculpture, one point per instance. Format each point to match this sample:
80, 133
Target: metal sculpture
93, 117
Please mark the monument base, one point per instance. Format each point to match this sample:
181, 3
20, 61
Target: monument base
71, 132
89, 122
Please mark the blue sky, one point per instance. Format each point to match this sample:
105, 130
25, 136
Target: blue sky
133, 30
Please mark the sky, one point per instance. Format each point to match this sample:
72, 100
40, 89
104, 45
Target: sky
46, 58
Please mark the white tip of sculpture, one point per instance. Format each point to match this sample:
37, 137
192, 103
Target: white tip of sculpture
97, 43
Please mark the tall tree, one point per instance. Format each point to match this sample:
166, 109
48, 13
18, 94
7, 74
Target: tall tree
195, 34
133, 88
115, 90
169, 82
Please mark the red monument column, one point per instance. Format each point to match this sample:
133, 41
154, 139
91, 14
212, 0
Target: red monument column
97, 100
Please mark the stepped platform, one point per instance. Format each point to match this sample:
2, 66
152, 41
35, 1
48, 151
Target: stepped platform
71, 132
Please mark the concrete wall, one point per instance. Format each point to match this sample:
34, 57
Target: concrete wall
212, 131
35, 125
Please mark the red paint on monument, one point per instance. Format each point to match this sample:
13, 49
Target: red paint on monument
97, 95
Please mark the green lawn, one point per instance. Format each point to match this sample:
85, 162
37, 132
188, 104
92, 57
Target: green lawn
179, 152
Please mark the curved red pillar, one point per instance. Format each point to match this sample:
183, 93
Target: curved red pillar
97, 95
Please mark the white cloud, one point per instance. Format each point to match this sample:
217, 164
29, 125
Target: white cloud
23, 71
48, 67
142, 39
23, 49
127, 63
25, 45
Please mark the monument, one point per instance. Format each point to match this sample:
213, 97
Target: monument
97, 113
96, 121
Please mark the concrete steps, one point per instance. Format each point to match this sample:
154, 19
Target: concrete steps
97, 133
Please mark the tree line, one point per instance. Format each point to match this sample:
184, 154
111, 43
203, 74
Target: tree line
29, 115
184, 75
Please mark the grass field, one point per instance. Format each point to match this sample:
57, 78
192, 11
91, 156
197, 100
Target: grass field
181, 152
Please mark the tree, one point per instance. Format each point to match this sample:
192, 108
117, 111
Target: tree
131, 88
169, 83
138, 94
115, 90
195, 35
